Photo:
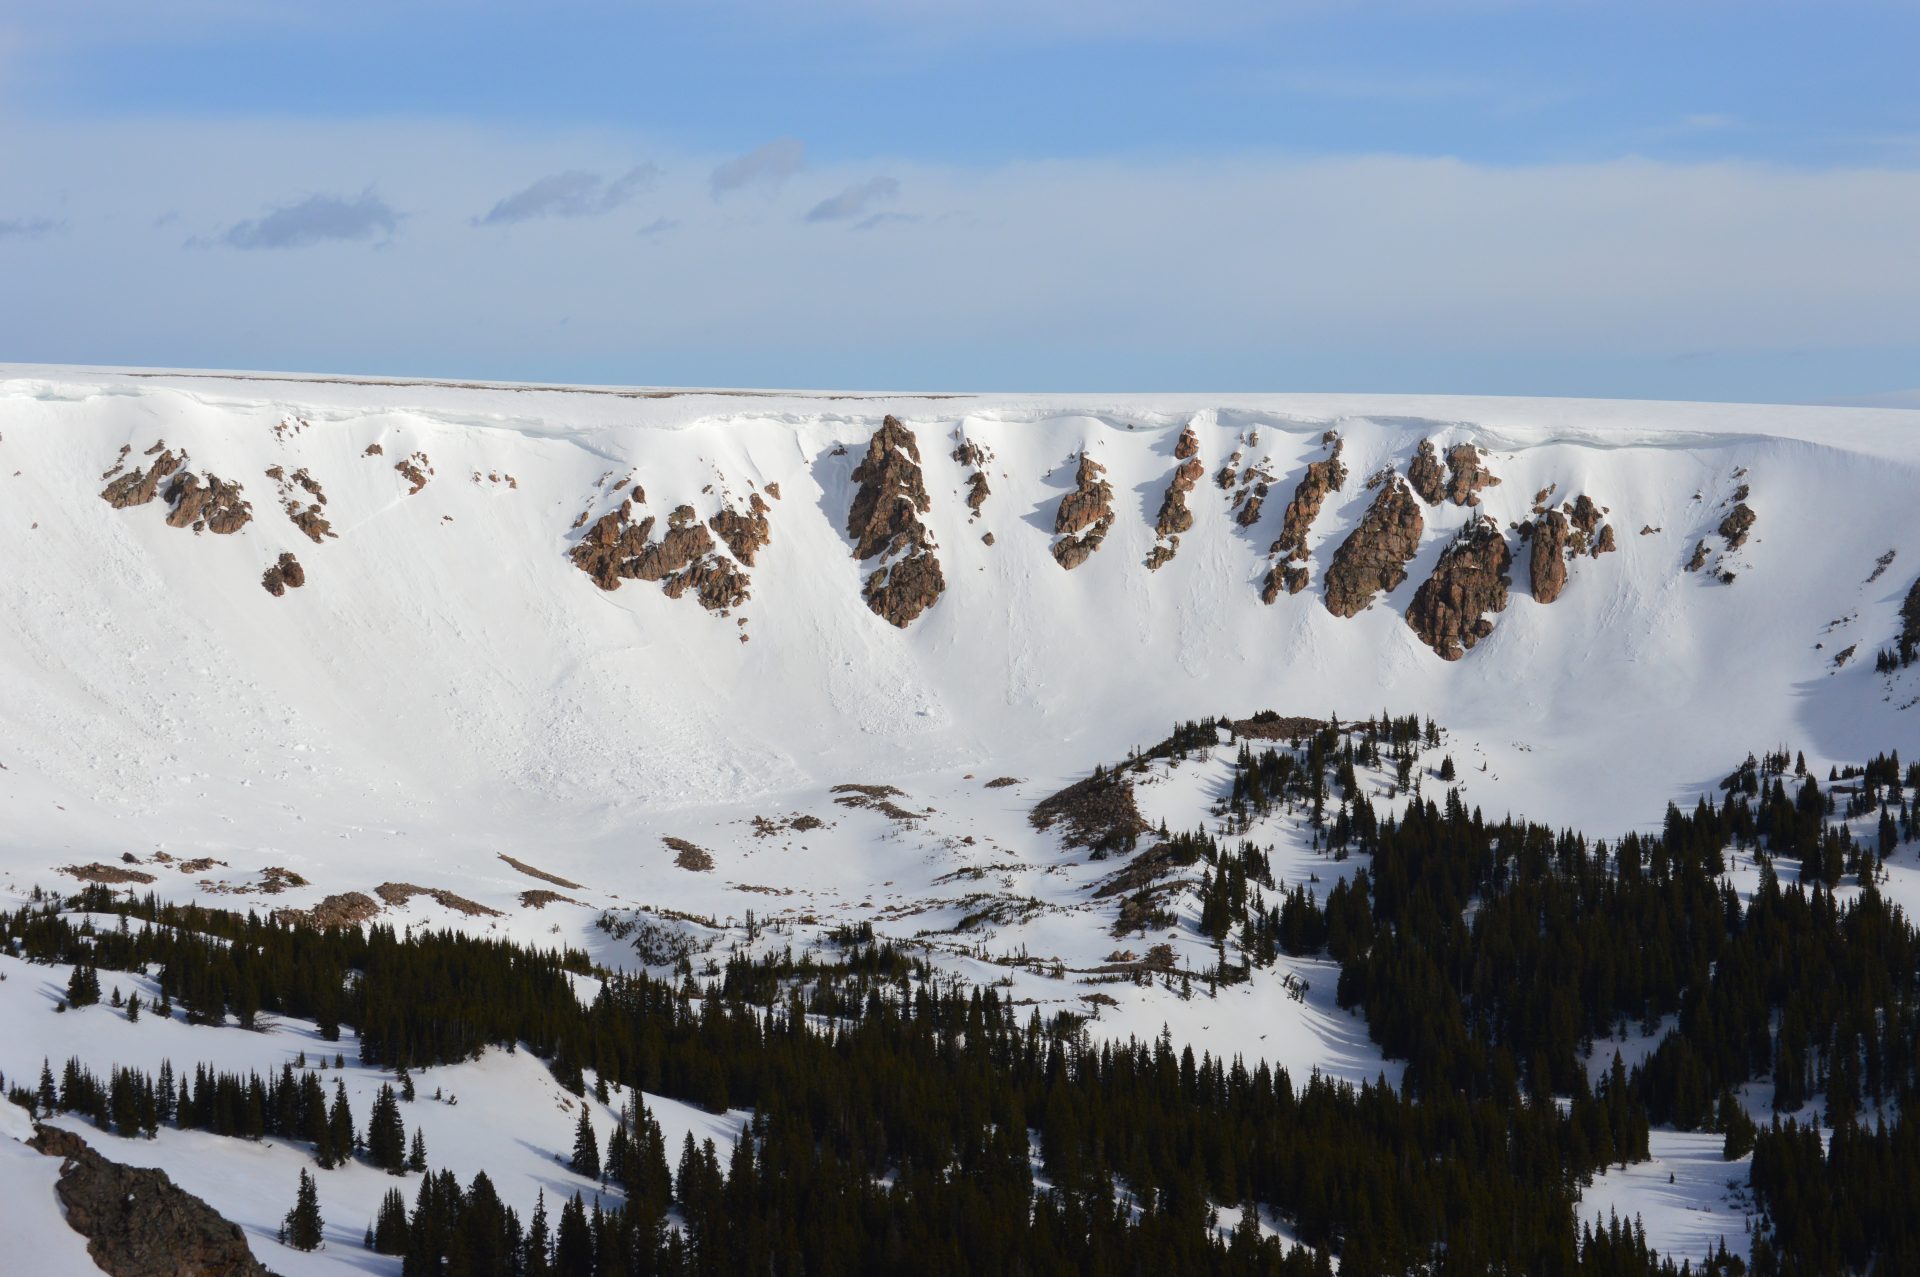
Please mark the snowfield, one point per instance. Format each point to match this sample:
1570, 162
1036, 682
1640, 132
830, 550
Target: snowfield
449, 689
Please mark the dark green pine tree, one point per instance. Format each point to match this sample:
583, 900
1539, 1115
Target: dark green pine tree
301, 1228
390, 1225
313, 1121
386, 1134
586, 1148
48, 1098
340, 1132
573, 1246
537, 1255
615, 1167
417, 1153
83, 987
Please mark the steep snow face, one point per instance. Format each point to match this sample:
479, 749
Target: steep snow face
447, 668
448, 684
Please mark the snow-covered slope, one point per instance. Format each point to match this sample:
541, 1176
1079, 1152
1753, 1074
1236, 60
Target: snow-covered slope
448, 683
448, 689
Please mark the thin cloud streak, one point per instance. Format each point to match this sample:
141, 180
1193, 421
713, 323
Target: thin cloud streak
854, 201
318, 219
769, 166
575, 193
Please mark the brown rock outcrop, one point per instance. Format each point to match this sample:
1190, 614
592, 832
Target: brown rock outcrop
284, 575
215, 506
616, 549
969, 453
1084, 516
977, 490
1375, 554
345, 909
416, 470
1547, 566
1322, 477
1174, 517
105, 873
717, 585
1699, 559
745, 534
1424, 473
137, 1221
892, 495
303, 514
1249, 513
1737, 524
1467, 475
884, 522
1449, 610
1604, 543
399, 893
137, 487
1585, 516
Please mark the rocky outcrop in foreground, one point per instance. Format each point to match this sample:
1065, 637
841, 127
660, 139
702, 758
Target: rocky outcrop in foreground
1322, 477
1449, 610
138, 1222
1084, 516
1374, 556
884, 523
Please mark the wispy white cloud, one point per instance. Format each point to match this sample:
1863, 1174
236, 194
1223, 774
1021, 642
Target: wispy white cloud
855, 200
1375, 263
574, 193
317, 219
768, 165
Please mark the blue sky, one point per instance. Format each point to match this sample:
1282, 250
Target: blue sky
1686, 199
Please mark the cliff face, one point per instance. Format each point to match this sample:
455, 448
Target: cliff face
1084, 516
884, 523
1374, 556
1322, 477
616, 549
1449, 610
1175, 517
1466, 474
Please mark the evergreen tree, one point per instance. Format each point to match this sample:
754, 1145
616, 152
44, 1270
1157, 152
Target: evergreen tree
573, 1242
417, 1152
586, 1148
386, 1134
536, 1256
301, 1228
340, 1133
